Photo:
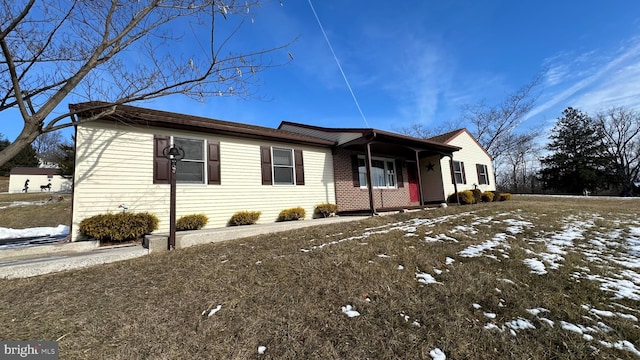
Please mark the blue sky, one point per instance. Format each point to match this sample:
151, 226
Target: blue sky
419, 61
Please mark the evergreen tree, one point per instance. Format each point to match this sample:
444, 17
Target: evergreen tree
578, 159
65, 158
26, 157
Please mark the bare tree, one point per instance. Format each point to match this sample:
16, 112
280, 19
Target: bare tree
493, 125
47, 147
619, 129
517, 169
422, 131
117, 51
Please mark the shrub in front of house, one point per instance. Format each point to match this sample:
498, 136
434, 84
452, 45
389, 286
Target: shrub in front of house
477, 196
119, 227
326, 209
192, 222
487, 196
244, 218
496, 195
296, 213
505, 196
464, 197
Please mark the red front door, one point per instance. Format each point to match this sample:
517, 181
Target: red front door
414, 193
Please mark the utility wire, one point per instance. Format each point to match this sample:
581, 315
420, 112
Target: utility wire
355, 100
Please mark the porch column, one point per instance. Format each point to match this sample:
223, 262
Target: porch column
370, 179
419, 177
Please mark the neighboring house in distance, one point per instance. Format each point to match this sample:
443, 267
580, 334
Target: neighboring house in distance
471, 167
396, 165
228, 167
37, 177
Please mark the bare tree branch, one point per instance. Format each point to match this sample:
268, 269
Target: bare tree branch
51, 50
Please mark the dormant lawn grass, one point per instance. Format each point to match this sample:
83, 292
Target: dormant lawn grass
4, 184
34, 209
523, 279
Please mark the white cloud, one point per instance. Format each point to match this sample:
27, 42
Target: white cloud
591, 81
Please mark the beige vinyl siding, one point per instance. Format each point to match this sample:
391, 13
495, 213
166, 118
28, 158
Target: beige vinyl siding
117, 167
470, 154
432, 187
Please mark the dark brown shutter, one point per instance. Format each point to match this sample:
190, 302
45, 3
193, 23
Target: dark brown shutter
452, 169
399, 177
464, 175
213, 163
354, 170
265, 160
161, 165
297, 156
487, 173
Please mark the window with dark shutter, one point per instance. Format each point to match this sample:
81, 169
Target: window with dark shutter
161, 165
458, 172
213, 163
483, 174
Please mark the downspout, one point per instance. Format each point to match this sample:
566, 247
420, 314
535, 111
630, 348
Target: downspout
370, 176
419, 178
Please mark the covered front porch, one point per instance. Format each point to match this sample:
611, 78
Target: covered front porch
381, 171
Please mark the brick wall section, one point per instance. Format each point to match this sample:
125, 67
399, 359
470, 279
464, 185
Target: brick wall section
350, 197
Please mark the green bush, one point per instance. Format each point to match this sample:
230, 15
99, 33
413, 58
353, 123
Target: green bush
119, 227
296, 213
496, 195
487, 196
244, 218
326, 209
477, 195
465, 197
192, 222
505, 196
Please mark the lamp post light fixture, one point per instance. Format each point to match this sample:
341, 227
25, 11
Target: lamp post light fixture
174, 154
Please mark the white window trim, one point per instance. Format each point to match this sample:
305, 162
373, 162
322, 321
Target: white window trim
461, 172
273, 166
203, 161
486, 175
386, 171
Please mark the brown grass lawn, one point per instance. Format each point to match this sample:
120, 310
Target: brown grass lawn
20, 211
4, 184
286, 291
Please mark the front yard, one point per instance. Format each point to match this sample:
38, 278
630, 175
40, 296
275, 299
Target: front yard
533, 278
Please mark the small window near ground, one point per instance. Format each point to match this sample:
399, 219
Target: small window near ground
483, 174
458, 172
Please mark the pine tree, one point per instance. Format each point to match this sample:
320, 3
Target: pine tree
26, 157
578, 159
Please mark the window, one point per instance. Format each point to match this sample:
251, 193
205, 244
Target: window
483, 174
383, 173
281, 166
200, 165
191, 169
458, 172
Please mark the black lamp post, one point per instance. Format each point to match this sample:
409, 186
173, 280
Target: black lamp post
174, 154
